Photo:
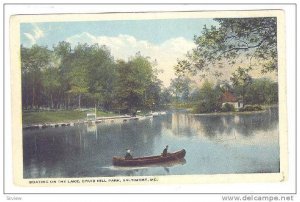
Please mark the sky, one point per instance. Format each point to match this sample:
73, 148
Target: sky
164, 40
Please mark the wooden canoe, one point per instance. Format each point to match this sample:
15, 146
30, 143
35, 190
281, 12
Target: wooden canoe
140, 161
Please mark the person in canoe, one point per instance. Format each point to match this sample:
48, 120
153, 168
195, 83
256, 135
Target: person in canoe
165, 151
128, 155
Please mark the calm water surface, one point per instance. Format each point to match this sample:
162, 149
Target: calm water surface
215, 144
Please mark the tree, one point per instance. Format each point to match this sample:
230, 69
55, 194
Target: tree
233, 38
135, 78
180, 86
51, 84
208, 100
78, 75
152, 100
101, 73
241, 80
63, 53
262, 91
165, 97
227, 108
33, 61
87, 75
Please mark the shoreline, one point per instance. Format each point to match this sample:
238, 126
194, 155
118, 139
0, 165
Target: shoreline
111, 119
265, 108
228, 113
120, 118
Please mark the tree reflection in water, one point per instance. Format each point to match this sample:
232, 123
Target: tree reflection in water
211, 142
225, 125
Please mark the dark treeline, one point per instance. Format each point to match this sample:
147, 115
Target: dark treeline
88, 76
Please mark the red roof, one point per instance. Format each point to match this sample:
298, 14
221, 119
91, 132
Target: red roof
228, 97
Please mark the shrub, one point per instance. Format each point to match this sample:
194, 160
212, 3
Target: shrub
204, 107
247, 108
258, 108
227, 108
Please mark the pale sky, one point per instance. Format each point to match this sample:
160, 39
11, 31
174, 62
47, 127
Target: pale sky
163, 40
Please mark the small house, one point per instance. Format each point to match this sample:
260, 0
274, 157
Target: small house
230, 98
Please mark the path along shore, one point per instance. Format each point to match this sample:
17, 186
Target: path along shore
112, 119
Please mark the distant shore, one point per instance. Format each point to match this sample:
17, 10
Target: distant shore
228, 113
265, 108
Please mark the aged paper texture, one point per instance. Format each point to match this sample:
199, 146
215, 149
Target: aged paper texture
88, 89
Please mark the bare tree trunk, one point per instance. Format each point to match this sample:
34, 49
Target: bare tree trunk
27, 98
68, 103
52, 102
33, 97
79, 99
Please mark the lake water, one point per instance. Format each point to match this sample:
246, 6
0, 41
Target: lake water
215, 144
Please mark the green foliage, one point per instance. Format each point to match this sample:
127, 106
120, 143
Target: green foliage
241, 80
251, 108
233, 39
34, 61
258, 92
227, 108
208, 98
186, 106
87, 76
56, 116
137, 85
203, 107
262, 91
241, 77
165, 97
180, 87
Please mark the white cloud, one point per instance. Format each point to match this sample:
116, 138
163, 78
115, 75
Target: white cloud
30, 37
124, 46
38, 32
34, 35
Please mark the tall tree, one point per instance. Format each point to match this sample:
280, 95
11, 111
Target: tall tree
208, 98
134, 78
262, 91
87, 75
233, 38
241, 80
180, 87
33, 61
51, 84
153, 99
78, 75
63, 53
165, 97
101, 76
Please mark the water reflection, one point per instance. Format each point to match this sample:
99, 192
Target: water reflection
215, 144
226, 126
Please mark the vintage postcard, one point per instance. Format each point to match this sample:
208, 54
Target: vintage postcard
149, 98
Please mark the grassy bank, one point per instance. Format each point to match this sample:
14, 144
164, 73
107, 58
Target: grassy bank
186, 106
57, 116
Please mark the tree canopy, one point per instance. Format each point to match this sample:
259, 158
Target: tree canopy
85, 76
137, 84
234, 38
180, 87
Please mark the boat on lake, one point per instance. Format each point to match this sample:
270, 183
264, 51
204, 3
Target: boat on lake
148, 160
